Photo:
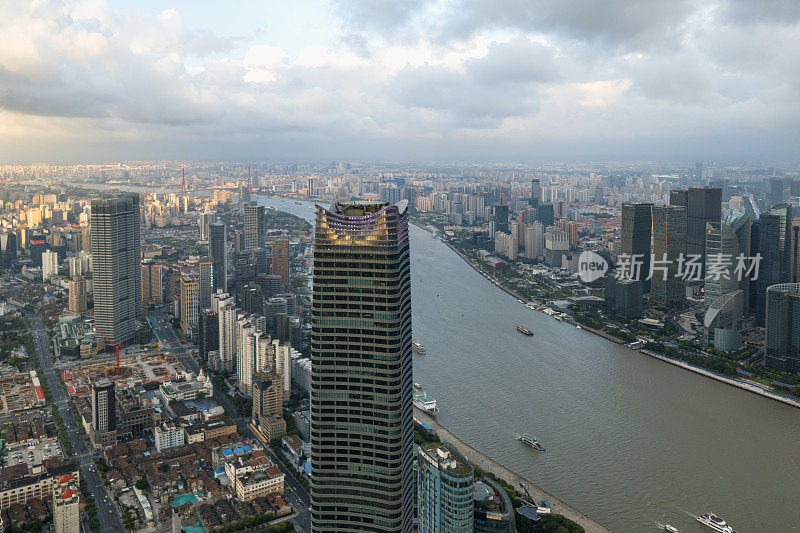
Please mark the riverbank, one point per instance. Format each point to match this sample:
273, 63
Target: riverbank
744, 385
487, 464
740, 384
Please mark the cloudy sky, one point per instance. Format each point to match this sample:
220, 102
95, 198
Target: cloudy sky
412, 80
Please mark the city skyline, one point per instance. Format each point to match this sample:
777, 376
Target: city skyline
422, 81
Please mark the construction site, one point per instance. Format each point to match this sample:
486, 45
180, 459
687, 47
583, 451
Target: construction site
20, 392
125, 369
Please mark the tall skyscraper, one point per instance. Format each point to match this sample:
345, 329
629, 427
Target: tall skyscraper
444, 491
783, 327
116, 254
104, 414
152, 283
207, 333
255, 230
190, 305
637, 223
218, 252
227, 335
501, 218
280, 260
669, 242
205, 281
49, 265
536, 192
204, 221
703, 205
361, 380
774, 246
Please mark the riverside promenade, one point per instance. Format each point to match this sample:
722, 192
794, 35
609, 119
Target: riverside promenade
488, 464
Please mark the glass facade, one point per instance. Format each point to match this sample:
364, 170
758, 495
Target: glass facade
444, 491
361, 381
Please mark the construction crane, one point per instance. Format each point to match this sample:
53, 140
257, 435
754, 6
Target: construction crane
115, 345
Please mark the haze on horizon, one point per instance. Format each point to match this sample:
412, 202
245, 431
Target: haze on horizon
669, 80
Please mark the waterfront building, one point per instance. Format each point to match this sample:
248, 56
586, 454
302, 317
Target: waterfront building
218, 252
637, 223
494, 511
723, 321
255, 230
774, 243
669, 243
722, 250
116, 255
624, 296
444, 491
361, 258
534, 240
783, 327
280, 260
77, 295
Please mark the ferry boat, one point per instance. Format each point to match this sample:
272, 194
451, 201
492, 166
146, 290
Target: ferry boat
670, 529
417, 386
524, 330
425, 402
418, 348
530, 440
714, 522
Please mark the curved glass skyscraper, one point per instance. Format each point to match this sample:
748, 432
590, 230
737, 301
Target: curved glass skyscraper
361, 383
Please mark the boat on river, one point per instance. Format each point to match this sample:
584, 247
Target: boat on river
529, 440
525, 331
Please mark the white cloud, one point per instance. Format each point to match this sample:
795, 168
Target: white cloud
413, 79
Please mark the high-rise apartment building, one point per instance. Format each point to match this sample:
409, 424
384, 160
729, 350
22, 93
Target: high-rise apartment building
255, 230
77, 295
280, 260
66, 500
190, 305
218, 252
116, 255
204, 221
152, 283
104, 414
669, 243
637, 223
205, 281
227, 335
49, 265
444, 491
268, 404
361, 384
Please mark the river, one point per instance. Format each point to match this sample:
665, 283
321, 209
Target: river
631, 441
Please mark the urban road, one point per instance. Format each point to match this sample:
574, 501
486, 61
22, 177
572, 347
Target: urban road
107, 512
294, 492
